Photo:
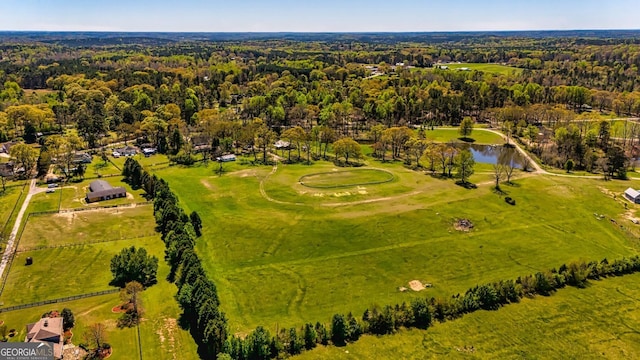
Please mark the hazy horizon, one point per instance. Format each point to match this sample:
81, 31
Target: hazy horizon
287, 16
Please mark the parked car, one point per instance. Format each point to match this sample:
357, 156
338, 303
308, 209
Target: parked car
49, 191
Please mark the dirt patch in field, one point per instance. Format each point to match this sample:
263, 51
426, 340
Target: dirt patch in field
206, 184
166, 333
244, 173
463, 225
416, 285
341, 194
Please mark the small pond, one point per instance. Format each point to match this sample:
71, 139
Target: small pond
494, 154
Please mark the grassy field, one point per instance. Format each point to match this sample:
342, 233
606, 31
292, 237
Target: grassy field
309, 253
487, 68
87, 226
479, 136
346, 178
99, 168
598, 322
67, 271
44, 202
161, 337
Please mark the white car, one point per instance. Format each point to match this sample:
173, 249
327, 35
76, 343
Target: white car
116, 154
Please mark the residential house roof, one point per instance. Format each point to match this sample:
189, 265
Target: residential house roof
128, 150
6, 169
101, 188
4, 148
632, 193
282, 144
47, 330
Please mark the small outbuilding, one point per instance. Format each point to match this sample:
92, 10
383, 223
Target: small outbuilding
632, 195
226, 158
101, 190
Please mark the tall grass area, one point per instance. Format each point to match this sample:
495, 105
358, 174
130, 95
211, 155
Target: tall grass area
309, 254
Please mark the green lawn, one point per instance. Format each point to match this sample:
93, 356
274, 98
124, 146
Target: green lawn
346, 178
87, 226
304, 254
68, 271
143, 160
487, 68
478, 135
598, 322
44, 202
99, 168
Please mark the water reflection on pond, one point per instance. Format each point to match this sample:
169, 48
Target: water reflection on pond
495, 154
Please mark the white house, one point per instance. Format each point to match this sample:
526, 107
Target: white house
632, 195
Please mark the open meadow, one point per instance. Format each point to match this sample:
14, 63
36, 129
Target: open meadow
598, 322
497, 69
283, 254
81, 227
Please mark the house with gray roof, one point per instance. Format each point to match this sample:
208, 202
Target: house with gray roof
100, 190
49, 331
632, 195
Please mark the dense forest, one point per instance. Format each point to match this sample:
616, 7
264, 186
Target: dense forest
183, 93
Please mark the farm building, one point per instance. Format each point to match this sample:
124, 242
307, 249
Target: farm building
632, 195
226, 158
101, 190
49, 331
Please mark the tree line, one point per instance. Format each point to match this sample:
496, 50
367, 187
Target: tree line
197, 294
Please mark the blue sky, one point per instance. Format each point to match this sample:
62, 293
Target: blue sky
317, 15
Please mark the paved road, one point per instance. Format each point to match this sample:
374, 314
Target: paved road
9, 250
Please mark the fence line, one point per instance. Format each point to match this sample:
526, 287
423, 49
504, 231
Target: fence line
35, 248
4, 228
58, 300
64, 211
7, 270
